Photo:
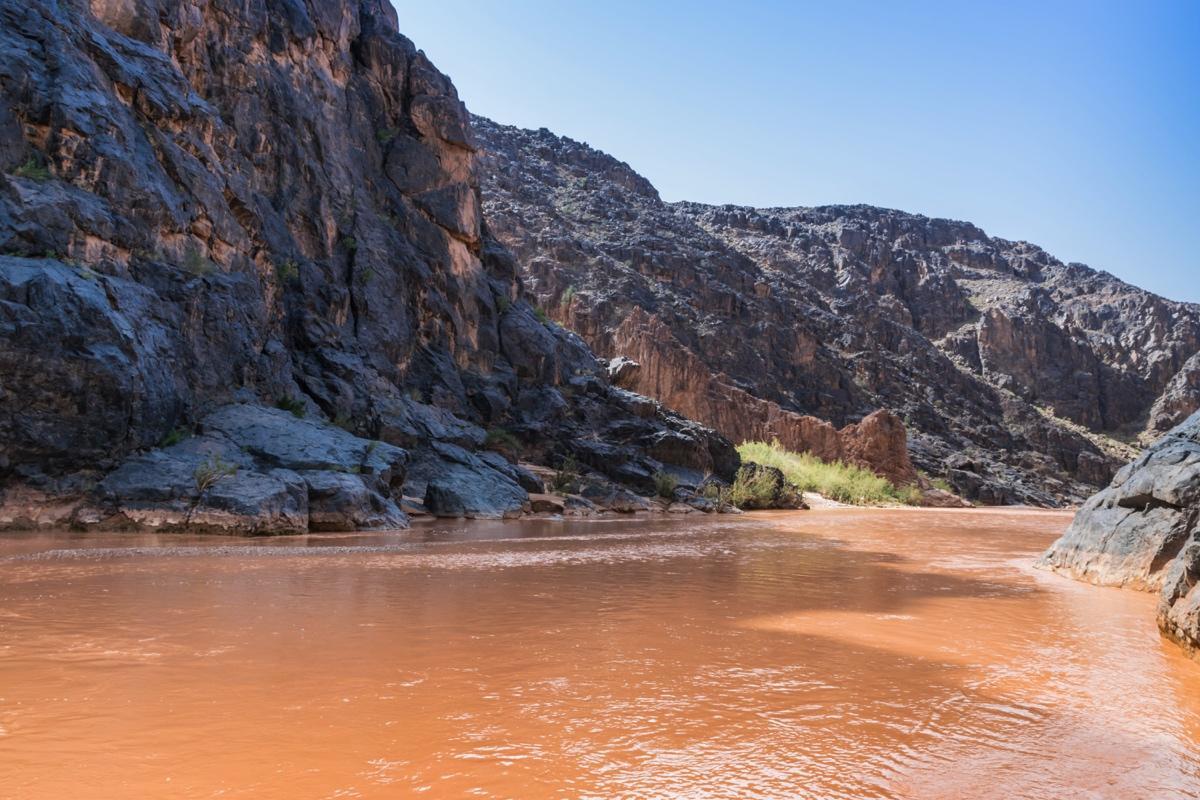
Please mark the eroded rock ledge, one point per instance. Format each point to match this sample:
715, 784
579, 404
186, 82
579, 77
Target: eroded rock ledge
1142, 532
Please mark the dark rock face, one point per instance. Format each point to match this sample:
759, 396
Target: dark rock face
1143, 531
1179, 399
1018, 377
243, 205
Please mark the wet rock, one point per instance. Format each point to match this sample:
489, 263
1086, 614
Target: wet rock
258, 470
546, 504
1143, 532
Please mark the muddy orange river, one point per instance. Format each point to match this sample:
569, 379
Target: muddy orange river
823, 654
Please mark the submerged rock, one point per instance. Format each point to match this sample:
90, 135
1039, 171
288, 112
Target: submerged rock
1143, 532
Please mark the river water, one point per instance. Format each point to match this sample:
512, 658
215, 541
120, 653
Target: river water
823, 654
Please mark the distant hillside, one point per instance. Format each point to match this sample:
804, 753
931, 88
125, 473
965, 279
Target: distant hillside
1020, 378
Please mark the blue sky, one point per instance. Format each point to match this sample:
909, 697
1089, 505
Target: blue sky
1072, 125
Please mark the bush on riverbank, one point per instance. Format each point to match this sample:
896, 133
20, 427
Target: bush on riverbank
845, 483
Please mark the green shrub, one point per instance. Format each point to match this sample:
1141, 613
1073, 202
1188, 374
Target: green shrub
211, 470
293, 404
540, 313
385, 135
502, 441
567, 297
711, 490
565, 477
287, 271
503, 303
176, 436
350, 243
33, 170
665, 484
752, 488
845, 483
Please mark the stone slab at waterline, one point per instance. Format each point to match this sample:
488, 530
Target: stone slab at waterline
1142, 532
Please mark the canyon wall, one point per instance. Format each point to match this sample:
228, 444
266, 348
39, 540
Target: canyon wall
1019, 378
246, 284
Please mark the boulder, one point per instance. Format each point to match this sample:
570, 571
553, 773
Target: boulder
1143, 532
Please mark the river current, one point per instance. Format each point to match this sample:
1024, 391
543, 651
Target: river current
824, 654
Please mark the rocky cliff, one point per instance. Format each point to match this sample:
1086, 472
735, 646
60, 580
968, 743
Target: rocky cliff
1019, 378
1143, 531
245, 283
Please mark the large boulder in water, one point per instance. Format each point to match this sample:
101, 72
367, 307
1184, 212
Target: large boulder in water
1142, 532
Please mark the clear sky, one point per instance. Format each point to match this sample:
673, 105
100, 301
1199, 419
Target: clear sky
1072, 125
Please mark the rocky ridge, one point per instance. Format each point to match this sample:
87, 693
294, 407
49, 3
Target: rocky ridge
1019, 378
246, 285
1143, 532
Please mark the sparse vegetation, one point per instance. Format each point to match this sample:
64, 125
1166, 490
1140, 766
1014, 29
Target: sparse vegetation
294, 405
350, 243
565, 477
845, 483
938, 483
365, 276
567, 297
195, 262
540, 313
502, 441
211, 470
665, 484
385, 135
287, 271
176, 436
751, 489
503, 303
33, 170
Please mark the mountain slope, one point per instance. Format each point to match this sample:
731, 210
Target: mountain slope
1020, 378
210, 211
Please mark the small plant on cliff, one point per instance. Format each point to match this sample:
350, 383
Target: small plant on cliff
540, 313
502, 441
385, 135
565, 477
175, 436
287, 271
503, 303
567, 297
211, 470
294, 405
33, 170
665, 484
350, 243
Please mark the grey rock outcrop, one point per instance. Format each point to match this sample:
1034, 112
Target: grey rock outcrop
207, 209
1143, 532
